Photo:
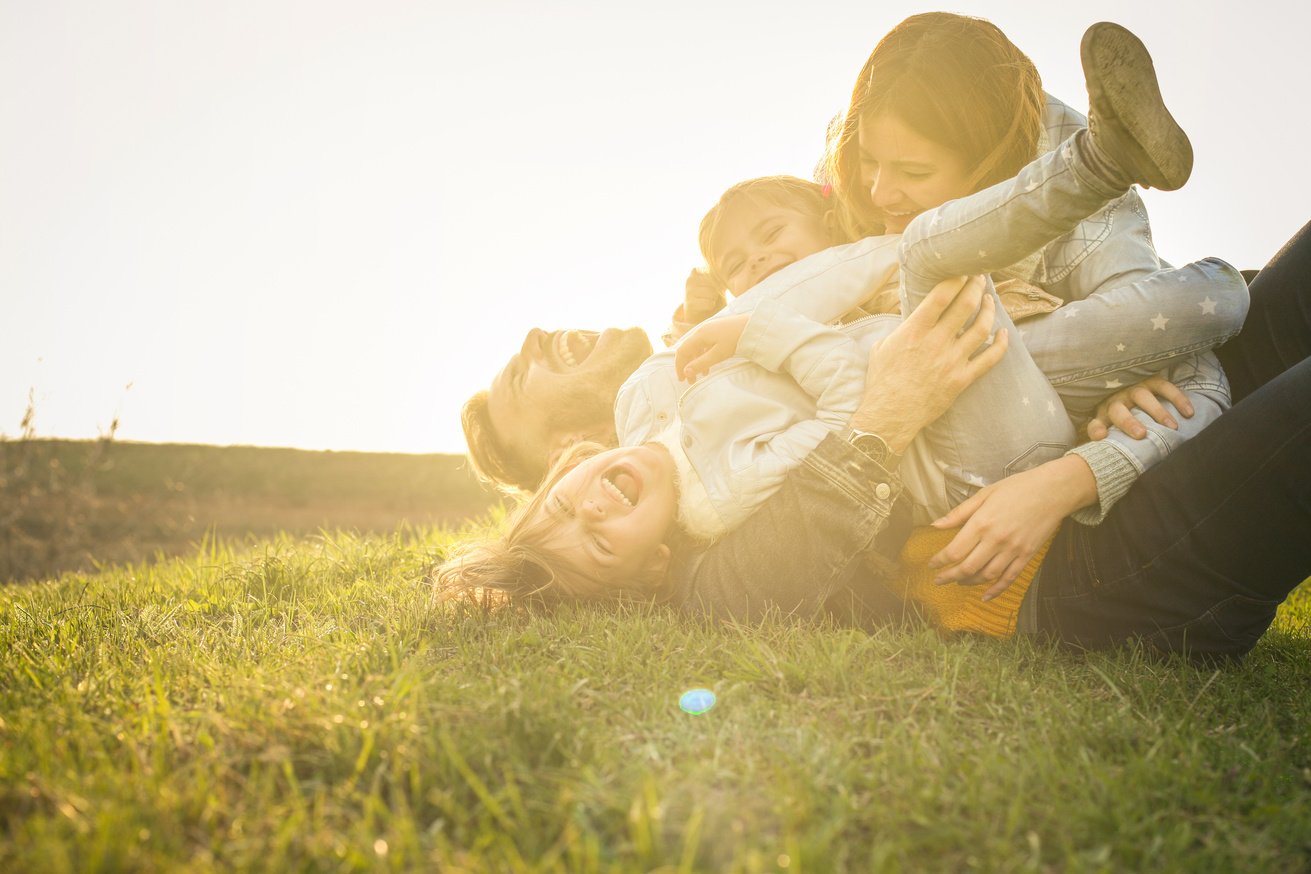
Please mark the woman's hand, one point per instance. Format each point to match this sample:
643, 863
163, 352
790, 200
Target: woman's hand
708, 344
1118, 409
1004, 524
922, 367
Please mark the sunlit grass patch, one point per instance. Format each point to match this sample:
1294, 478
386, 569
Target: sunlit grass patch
308, 705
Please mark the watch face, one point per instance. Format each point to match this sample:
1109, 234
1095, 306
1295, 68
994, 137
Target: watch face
872, 446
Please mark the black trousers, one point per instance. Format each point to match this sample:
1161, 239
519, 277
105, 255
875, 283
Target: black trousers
1204, 547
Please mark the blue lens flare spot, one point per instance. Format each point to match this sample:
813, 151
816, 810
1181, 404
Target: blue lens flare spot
697, 701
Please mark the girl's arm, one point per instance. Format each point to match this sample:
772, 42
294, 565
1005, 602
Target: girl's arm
826, 363
823, 363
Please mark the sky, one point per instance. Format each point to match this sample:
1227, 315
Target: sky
325, 224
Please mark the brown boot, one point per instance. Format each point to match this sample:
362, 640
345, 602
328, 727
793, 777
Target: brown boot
1126, 114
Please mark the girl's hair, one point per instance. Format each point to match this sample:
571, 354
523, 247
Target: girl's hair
955, 80
517, 566
791, 192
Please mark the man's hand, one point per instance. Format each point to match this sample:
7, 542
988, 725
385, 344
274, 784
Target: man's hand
708, 344
923, 366
1004, 524
1118, 408
702, 297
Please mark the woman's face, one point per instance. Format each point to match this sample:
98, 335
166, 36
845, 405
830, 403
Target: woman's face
610, 515
905, 173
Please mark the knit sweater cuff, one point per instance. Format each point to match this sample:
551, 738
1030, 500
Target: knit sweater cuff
1115, 471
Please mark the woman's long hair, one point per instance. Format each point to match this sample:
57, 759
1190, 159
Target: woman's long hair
955, 80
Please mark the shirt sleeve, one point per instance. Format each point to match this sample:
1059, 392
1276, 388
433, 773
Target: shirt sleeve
836, 525
1118, 460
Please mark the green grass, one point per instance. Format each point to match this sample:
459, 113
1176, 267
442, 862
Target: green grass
307, 706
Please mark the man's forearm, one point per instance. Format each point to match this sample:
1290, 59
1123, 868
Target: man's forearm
895, 430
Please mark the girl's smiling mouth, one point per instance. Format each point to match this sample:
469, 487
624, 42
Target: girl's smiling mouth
623, 484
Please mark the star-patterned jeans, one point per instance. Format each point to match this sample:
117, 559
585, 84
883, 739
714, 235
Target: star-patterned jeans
1204, 547
1015, 417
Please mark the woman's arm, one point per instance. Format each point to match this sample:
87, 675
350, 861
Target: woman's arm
1004, 524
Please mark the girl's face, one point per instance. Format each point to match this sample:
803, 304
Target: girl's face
905, 173
610, 515
754, 240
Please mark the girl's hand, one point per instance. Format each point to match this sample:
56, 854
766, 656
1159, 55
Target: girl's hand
1004, 524
708, 344
702, 297
1118, 408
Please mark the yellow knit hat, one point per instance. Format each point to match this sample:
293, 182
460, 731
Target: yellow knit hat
953, 607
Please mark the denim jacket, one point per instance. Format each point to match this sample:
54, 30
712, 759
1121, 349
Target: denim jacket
827, 541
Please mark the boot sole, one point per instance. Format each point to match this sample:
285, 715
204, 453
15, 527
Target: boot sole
1124, 93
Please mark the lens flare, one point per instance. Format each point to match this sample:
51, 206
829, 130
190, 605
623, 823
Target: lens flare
697, 701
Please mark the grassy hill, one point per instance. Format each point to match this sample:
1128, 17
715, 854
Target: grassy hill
68, 505
307, 705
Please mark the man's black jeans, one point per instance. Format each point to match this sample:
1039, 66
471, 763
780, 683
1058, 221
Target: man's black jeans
1204, 547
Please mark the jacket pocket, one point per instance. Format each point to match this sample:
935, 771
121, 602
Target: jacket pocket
1023, 300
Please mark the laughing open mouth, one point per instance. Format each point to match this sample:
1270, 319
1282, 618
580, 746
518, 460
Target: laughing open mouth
622, 485
573, 347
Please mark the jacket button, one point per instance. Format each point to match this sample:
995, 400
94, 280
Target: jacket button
882, 491
687, 440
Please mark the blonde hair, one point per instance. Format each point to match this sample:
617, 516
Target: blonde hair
955, 80
518, 567
790, 192
492, 460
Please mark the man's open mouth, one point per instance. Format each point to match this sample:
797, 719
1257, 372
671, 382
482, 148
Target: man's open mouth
573, 347
622, 484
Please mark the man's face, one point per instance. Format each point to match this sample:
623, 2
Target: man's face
560, 388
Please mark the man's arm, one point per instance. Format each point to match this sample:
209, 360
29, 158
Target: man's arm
840, 510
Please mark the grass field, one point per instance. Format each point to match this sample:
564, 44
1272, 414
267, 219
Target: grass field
307, 706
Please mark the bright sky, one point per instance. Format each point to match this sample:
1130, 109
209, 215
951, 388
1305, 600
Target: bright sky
324, 224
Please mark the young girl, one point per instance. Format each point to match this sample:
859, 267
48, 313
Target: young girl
610, 517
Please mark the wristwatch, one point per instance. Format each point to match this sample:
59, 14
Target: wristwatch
875, 447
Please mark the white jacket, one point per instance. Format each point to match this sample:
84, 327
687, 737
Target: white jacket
753, 418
